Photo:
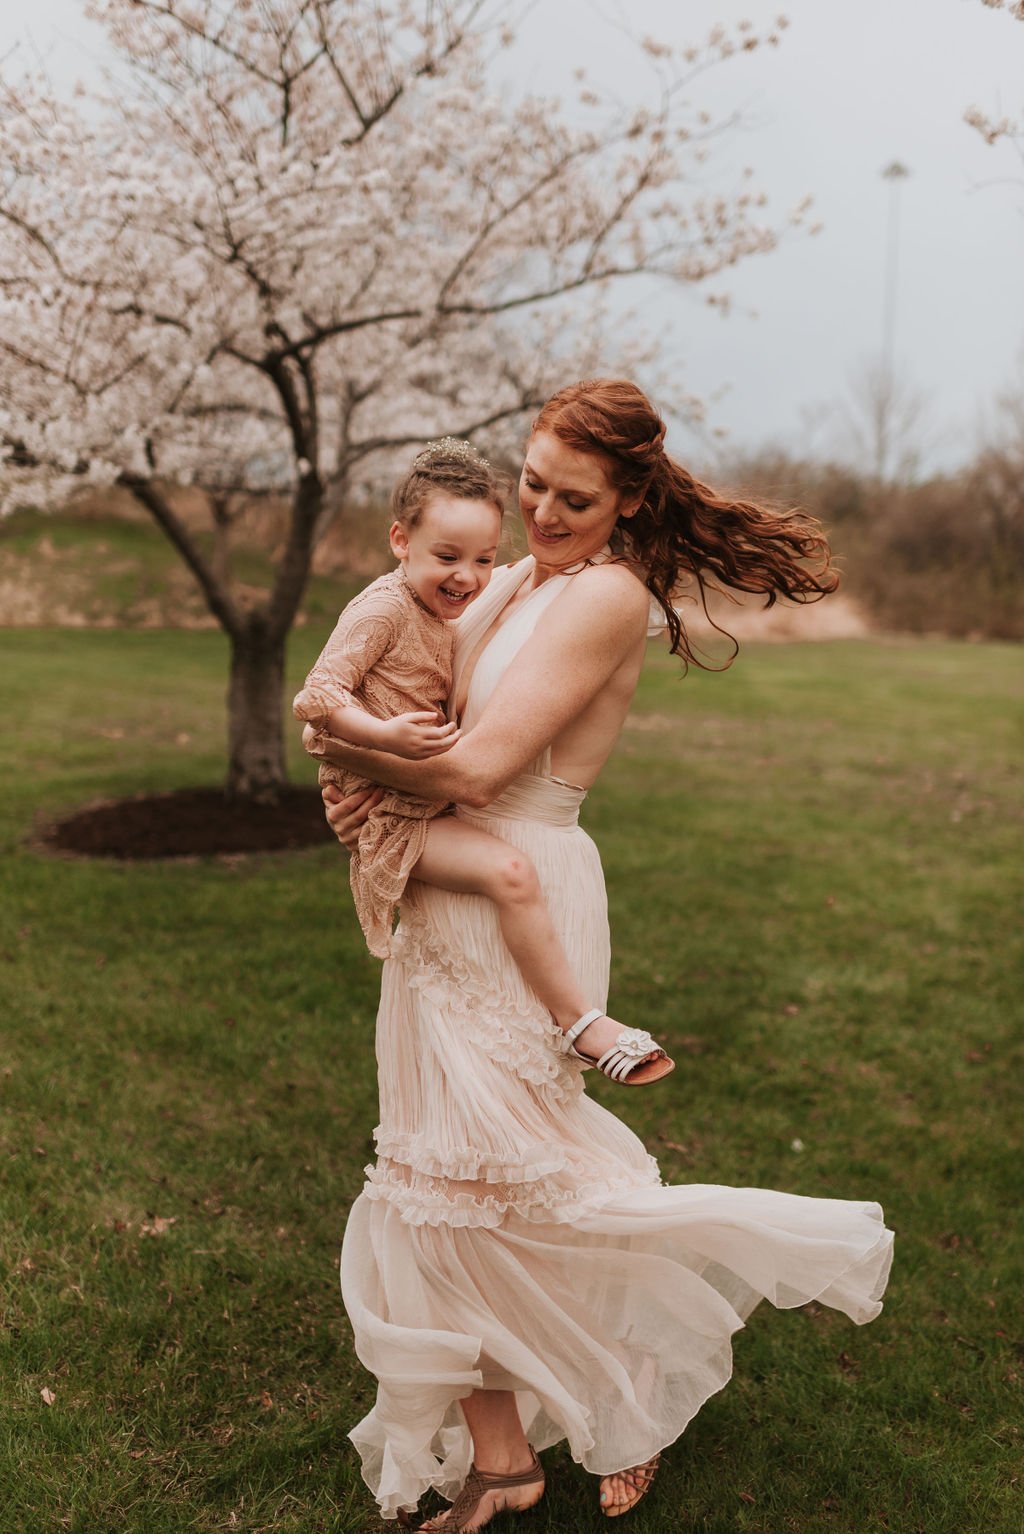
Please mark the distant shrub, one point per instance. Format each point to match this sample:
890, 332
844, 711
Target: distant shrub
942, 556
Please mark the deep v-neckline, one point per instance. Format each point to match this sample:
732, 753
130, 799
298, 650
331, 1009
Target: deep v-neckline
492, 617
467, 669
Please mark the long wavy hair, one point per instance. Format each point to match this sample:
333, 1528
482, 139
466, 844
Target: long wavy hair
684, 529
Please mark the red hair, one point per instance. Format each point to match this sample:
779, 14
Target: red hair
682, 527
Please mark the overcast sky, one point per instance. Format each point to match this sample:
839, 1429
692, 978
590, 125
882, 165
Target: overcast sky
853, 87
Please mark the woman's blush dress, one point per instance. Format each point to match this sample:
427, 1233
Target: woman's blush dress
516, 1235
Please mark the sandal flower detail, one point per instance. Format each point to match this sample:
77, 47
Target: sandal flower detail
628, 1059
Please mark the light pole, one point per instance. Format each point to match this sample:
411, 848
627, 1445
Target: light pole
895, 173
884, 405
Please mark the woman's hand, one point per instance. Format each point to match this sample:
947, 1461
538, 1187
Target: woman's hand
348, 813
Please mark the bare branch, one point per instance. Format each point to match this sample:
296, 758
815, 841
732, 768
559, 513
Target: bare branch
507, 210
33, 234
466, 428
218, 597
544, 295
321, 333
293, 569
201, 34
368, 118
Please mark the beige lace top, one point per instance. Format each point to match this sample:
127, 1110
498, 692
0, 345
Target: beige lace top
388, 654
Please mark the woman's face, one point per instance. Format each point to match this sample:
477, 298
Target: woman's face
569, 504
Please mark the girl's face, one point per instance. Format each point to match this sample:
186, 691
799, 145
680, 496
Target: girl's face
569, 504
449, 554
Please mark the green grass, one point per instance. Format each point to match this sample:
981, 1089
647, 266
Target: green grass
814, 867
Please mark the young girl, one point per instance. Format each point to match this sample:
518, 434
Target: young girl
382, 681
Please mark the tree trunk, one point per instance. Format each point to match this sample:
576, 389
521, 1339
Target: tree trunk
220, 559
258, 637
255, 738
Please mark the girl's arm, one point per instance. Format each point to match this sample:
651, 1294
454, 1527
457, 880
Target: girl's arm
578, 645
367, 628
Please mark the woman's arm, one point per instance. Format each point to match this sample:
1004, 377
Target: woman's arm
578, 645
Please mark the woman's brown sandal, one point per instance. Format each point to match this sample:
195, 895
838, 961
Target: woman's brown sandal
476, 1486
627, 1061
642, 1477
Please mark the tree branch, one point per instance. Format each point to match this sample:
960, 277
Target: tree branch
360, 450
218, 597
368, 119
502, 306
34, 235
201, 33
293, 569
321, 333
505, 213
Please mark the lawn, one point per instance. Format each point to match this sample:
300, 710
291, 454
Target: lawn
815, 875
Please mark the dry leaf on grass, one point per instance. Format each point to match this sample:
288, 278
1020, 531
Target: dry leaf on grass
158, 1226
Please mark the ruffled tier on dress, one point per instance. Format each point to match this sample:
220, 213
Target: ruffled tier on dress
515, 1235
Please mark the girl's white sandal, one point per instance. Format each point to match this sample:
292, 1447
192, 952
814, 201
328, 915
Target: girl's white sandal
627, 1061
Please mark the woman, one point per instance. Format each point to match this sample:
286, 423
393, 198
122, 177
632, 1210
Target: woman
514, 1271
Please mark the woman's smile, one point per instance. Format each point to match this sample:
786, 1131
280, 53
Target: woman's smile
544, 536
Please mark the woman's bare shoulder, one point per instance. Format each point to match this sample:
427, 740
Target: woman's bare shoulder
603, 610
615, 585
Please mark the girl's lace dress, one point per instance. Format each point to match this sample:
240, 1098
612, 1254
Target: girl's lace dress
389, 654
513, 1233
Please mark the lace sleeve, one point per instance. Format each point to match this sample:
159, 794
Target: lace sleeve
359, 640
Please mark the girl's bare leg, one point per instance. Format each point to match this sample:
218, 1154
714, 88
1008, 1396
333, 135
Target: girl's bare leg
461, 858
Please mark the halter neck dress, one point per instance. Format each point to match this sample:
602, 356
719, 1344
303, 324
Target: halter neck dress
513, 1233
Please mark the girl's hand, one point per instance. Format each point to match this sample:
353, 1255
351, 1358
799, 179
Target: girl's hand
417, 736
348, 813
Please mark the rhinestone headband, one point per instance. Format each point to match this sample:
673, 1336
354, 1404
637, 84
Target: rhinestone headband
445, 449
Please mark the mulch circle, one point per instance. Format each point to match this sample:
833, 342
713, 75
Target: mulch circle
190, 822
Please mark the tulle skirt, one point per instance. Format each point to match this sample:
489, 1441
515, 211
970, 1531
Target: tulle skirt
515, 1235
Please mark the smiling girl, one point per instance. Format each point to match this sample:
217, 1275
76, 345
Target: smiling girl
382, 683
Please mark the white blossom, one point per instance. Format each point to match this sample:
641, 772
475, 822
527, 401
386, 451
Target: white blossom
302, 235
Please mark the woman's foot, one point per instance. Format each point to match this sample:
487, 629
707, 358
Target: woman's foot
623, 1490
487, 1493
627, 1055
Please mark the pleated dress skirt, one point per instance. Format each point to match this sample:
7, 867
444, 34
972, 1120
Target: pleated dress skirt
515, 1235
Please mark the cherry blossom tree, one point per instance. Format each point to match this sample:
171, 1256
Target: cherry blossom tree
290, 237
992, 129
